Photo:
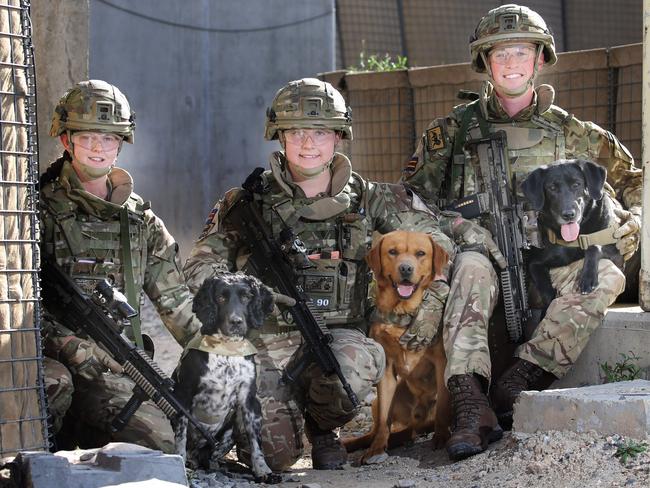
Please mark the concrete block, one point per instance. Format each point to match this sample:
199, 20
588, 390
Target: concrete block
111, 465
614, 408
626, 329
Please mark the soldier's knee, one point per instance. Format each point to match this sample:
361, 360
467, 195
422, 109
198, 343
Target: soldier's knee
362, 362
281, 434
610, 277
59, 388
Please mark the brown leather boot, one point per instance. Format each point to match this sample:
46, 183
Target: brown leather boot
521, 376
475, 424
327, 452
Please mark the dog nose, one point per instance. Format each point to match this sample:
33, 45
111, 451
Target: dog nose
236, 319
569, 214
406, 269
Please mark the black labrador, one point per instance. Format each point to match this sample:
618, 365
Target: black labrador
217, 380
573, 207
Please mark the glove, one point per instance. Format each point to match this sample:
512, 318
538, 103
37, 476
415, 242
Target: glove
86, 358
473, 237
280, 299
628, 234
424, 327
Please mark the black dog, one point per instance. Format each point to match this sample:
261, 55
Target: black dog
218, 387
569, 196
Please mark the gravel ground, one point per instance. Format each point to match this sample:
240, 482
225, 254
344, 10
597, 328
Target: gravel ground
542, 460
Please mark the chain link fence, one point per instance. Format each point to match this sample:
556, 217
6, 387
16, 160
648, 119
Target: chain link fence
23, 423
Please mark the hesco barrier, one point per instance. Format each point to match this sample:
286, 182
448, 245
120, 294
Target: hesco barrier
22, 399
390, 110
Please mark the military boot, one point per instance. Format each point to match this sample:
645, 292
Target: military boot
326, 450
475, 424
521, 376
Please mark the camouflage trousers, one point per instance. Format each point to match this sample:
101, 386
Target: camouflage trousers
88, 407
570, 319
362, 361
556, 342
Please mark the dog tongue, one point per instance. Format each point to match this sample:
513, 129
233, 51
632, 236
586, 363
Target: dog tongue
570, 231
405, 290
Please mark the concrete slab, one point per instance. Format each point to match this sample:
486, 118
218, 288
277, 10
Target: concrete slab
626, 329
614, 408
111, 465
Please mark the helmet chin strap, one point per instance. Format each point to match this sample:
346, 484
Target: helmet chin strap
516, 92
310, 173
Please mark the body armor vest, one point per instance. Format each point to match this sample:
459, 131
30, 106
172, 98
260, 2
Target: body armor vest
337, 282
89, 249
531, 144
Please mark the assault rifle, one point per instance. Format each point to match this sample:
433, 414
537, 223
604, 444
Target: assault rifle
97, 316
499, 205
273, 261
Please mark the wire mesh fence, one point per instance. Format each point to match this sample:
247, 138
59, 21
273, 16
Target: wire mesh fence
23, 410
391, 110
435, 32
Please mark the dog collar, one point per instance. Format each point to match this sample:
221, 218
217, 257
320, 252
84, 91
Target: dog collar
222, 345
600, 238
401, 320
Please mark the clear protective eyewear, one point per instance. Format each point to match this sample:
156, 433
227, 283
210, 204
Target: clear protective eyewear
90, 140
518, 54
317, 136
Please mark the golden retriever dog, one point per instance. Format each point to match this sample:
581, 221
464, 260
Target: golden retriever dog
412, 397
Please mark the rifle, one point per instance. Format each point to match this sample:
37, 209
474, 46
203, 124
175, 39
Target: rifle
97, 316
507, 220
273, 261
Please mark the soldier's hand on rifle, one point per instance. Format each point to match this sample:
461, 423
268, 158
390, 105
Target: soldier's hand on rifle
280, 299
628, 234
473, 237
425, 325
86, 358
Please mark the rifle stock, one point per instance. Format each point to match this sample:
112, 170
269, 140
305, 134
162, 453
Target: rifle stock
64, 299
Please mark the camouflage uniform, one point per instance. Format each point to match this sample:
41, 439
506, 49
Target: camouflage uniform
537, 135
342, 222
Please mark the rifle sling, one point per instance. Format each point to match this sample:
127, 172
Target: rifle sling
129, 282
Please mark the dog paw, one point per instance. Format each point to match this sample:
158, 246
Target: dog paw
269, 479
374, 458
588, 284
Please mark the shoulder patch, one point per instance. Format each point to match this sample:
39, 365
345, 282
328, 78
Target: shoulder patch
410, 165
435, 139
209, 222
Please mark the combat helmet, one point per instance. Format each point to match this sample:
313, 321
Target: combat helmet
510, 23
94, 105
308, 103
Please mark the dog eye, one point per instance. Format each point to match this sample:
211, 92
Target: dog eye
419, 254
246, 297
221, 299
576, 185
552, 187
393, 252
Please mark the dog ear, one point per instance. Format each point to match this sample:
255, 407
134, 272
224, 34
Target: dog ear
595, 176
262, 303
533, 188
439, 261
204, 305
373, 258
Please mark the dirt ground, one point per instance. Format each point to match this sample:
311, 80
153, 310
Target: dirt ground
541, 460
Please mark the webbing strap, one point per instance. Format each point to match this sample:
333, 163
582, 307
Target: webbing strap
129, 282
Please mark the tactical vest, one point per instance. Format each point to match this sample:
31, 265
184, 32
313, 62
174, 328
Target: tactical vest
337, 285
531, 143
89, 249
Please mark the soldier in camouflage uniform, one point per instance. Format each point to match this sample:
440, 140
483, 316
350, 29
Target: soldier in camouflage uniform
512, 43
96, 227
313, 190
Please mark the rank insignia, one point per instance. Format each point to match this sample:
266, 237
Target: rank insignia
435, 140
410, 166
